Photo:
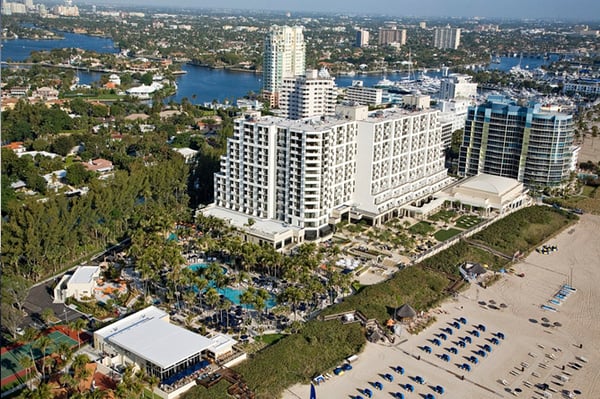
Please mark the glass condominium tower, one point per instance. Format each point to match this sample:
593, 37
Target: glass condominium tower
521, 142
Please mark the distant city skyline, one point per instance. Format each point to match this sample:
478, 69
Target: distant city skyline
515, 9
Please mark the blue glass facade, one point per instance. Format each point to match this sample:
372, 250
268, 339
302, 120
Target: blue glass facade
521, 142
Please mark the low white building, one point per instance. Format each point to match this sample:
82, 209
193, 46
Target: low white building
79, 285
144, 91
357, 93
187, 153
148, 341
258, 230
488, 193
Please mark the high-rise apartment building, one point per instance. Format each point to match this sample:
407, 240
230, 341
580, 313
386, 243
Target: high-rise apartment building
446, 38
313, 94
299, 172
521, 142
457, 86
284, 57
392, 35
362, 38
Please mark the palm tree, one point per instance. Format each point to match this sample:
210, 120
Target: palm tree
29, 335
27, 363
65, 352
152, 381
211, 296
41, 392
43, 343
78, 325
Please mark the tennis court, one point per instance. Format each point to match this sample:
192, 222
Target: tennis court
11, 360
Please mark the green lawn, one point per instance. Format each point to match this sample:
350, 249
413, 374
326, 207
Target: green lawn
467, 221
445, 214
421, 228
443, 235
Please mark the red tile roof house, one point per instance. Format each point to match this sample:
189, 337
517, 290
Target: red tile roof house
99, 165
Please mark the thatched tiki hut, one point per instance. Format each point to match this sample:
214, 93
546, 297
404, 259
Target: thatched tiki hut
405, 313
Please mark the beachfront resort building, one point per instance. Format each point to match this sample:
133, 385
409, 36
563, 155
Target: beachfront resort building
446, 38
313, 94
521, 142
309, 173
148, 341
284, 57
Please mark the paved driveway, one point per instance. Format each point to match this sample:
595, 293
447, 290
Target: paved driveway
40, 298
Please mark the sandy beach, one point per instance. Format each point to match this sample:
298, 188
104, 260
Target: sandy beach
538, 343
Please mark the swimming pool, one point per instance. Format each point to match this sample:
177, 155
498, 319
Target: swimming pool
232, 294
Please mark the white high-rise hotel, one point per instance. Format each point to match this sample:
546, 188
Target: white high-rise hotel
302, 172
284, 53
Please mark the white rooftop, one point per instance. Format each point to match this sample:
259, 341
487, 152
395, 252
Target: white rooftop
150, 337
240, 220
186, 152
490, 184
84, 274
221, 343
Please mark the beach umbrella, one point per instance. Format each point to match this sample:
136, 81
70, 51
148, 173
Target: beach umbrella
557, 324
503, 305
545, 319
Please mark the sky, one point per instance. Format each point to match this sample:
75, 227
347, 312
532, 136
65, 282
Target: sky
519, 9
